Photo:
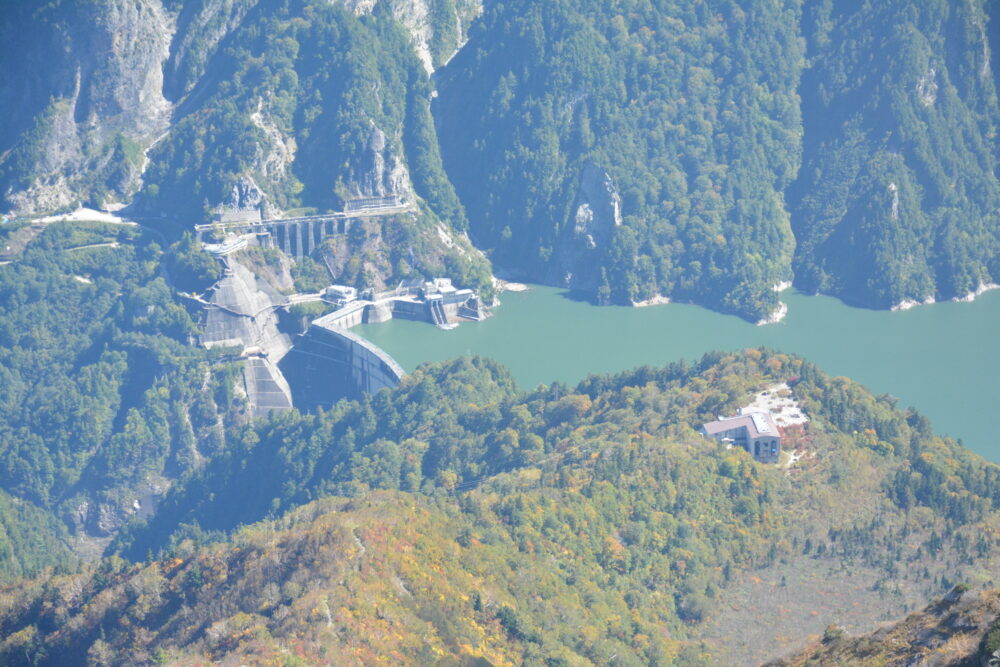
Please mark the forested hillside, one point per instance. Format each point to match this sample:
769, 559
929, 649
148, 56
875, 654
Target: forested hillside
692, 111
898, 195
102, 400
221, 94
470, 521
701, 152
31, 540
305, 104
632, 151
276, 106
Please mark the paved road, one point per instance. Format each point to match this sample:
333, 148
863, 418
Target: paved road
292, 300
305, 298
367, 213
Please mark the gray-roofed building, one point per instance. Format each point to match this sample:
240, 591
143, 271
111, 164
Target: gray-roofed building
755, 432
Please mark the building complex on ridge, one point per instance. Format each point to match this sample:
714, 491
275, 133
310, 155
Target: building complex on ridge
755, 432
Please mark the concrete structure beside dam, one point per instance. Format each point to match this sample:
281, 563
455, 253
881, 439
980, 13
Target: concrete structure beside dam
240, 313
328, 363
300, 236
435, 301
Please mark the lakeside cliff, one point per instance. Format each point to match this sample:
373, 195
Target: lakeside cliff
700, 155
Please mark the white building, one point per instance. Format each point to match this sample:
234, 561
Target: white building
341, 294
230, 245
755, 432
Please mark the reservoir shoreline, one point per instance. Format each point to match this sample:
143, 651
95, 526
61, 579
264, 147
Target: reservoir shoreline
942, 359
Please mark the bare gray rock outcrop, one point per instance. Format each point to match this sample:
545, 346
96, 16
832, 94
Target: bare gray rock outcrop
430, 33
101, 82
596, 214
104, 102
379, 171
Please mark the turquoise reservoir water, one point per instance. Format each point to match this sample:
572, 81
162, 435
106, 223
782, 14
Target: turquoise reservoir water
942, 359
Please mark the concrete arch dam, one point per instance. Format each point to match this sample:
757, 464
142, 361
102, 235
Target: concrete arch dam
328, 363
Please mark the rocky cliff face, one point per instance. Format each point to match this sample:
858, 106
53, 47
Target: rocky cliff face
897, 198
125, 82
182, 106
88, 96
963, 628
101, 83
596, 214
246, 195
378, 170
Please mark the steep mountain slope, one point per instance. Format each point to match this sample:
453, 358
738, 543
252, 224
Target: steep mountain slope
631, 149
188, 106
105, 397
101, 399
627, 150
81, 95
898, 195
123, 73
556, 525
305, 103
642, 149
31, 540
961, 629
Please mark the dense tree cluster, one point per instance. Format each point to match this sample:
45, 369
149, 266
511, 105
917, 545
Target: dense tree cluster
325, 79
454, 517
99, 391
898, 195
694, 111
848, 146
316, 105
691, 108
